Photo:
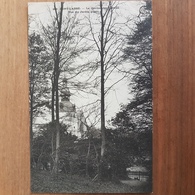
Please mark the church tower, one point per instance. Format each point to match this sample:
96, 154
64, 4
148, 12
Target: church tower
69, 116
67, 109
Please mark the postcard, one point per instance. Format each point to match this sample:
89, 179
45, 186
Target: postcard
90, 96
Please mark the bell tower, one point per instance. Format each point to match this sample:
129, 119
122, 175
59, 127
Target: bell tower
65, 93
68, 114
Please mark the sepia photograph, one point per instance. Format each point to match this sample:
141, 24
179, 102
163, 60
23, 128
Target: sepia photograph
90, 96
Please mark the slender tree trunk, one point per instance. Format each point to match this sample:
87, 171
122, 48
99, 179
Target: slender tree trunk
52, 116
53, 100
57, 73
87, 157
103, 136
57, 133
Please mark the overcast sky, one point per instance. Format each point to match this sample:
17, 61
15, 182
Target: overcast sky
41, 12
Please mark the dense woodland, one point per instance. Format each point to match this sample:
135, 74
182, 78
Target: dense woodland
103, 153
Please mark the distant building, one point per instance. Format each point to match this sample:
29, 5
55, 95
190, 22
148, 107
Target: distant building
74, 119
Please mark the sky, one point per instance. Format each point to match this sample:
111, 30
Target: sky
41, 12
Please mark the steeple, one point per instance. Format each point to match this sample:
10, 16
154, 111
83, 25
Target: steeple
65, 104
65, 92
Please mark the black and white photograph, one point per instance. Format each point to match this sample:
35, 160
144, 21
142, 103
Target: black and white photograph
90, 96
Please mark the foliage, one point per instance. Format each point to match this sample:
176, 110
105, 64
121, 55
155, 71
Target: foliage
72, 152
134, 122
43, 145
139, 51
39, 89
122, 147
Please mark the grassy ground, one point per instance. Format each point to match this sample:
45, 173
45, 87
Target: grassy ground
44, 182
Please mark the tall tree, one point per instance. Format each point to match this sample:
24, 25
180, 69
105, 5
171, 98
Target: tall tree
63, 37
132, 135
109, 42
38, 88
139, 52
56, 84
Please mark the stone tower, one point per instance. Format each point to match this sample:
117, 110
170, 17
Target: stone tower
69, 116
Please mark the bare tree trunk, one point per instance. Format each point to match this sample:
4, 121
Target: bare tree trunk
53, 100
87, 157
57, 73
52, 115
103, 136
